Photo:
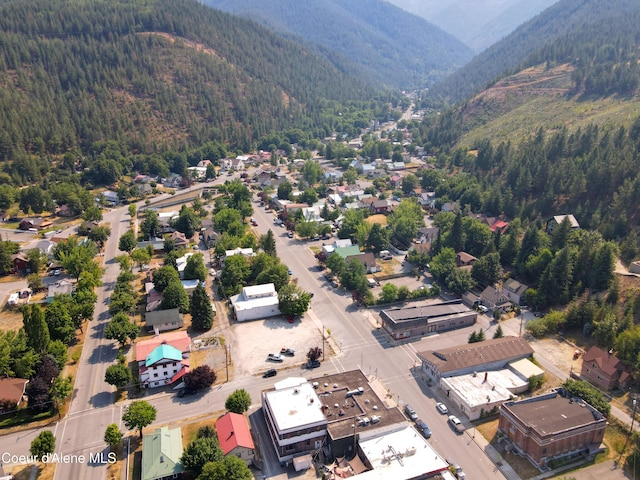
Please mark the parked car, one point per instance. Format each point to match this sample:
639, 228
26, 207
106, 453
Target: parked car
290, 234
275, 357
457, 471
410, 412
456, 424
442, 408
272, 372
289, 271
313, 364
289, 352
483, 309
424, 429
183, 392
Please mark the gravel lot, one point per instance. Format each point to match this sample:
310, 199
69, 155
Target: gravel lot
255, 340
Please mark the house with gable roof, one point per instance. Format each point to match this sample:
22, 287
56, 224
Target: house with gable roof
493, 298
161, 452
163, 366
234, 437
604, 370
514, 291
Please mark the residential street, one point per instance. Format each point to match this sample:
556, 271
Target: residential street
354, 336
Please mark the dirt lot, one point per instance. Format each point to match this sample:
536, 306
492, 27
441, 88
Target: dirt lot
559, 353
253, 341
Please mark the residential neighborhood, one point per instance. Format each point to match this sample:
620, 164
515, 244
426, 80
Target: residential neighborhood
268, 282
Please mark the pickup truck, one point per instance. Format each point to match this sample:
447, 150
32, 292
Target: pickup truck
289, 352
275, 357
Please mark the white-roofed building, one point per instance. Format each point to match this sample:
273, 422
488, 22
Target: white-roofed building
294, 418
256, 302
402, 454
245, 252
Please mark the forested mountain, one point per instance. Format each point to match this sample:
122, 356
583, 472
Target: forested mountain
586, 17
478, 23
560, 135
153, 75
388, 44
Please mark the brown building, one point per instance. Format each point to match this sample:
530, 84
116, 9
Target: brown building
604, 369
417, 321
488, 355
551, 427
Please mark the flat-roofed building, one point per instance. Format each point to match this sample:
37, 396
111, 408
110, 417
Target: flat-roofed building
551, 427
401, 454
463, 359
417, 321
295, 421
304, 416
256, 302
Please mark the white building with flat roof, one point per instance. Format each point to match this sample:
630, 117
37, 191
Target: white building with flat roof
402, 454
255, 302
480, 393
294, 418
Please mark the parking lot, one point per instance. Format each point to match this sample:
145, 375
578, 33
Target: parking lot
255, 340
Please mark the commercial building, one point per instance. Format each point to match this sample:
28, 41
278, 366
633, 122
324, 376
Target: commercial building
255, 302
422, 320
295, 421
491, 354
552, 427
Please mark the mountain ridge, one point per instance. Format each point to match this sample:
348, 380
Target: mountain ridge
388, 44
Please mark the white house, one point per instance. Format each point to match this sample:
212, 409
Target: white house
163, 366
255, 302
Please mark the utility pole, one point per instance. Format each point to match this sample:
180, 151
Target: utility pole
226, 360
633, 417
323, 342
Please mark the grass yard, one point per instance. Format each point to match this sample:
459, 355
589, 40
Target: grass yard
381, 219
45, 472
388, 267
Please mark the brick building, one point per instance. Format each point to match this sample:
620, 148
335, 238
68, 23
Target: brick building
604, 370
552, 427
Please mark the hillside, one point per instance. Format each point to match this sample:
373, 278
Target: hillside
387, 44
477, 23
556, 22
154, 75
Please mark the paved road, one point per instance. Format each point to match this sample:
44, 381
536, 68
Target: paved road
357, 342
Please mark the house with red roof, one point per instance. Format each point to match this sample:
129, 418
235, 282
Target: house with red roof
12, 392
179, 340
603, 369
500, 226
234, 436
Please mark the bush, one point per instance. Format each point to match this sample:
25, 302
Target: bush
550, 323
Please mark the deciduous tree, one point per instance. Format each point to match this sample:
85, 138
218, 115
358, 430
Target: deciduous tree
139, 414
238, 402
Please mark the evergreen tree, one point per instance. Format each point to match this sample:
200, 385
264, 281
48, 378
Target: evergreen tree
201, 311
35, 328
268, 243
498, 333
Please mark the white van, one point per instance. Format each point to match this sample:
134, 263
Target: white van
371, 282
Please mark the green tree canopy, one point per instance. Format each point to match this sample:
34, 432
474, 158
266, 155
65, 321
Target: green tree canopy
175, 296
293, 301
201, 310
139, 414
113, 436
43, 444
35, 328
118, 375
238, 402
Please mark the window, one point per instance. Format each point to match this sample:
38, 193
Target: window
155, 375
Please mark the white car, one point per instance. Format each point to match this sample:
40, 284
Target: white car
456, 424
442, 408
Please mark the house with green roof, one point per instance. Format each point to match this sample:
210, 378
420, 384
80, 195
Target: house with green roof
165, 365
161, 452
350, 251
